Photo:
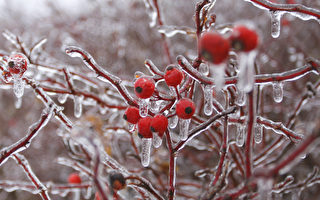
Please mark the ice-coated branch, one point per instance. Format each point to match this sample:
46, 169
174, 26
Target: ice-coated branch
248, 144
49, 102
24, 164
24, 142
153, 68
55, 189
290, 8
202, 127
278, 127
291, 75
103, 75
146, 185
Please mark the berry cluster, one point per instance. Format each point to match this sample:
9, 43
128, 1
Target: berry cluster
215, 48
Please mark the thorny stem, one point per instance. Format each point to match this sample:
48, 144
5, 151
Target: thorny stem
287, 7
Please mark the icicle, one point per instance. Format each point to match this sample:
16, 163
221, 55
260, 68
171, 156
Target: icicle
78, 106
241, 129
173, 121
258, 133
151, 11
143, 107
130, 127
208, 100
146, 149
275, 23
246, 71
277, 91
184, 128
241, 97
76, 194
18, 87
157, 140
218, 72
204, 69
18, 103
62, 98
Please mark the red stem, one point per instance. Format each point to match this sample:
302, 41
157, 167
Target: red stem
248, 147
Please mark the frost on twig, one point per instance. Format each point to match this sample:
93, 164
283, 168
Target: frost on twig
24, 164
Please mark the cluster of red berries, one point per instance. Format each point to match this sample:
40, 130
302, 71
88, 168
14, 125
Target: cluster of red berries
215, 48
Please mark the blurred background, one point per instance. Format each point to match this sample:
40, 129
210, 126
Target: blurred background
119, 36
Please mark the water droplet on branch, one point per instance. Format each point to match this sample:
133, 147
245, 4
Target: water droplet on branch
157, 140
258, 133
78, 106
173, 121
207, 92
275, 23
241, 132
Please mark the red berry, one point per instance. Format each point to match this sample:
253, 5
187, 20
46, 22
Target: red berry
132, 115
117, 181
214, 47
144, 87
17, 64
74, 178
144, 130
173, 76
159, 124
244, 39
185, 108
97, 196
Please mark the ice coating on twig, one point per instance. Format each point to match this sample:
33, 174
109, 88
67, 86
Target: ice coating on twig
171, 31
23, 162
25, 142
151, 11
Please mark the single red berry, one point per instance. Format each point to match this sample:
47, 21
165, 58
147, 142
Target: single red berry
214, 47
243, 39
117, 181
185, 108
159, 124
97, 196
144, 130
74, 178
173, 76
17, 64
132, 115
144, 87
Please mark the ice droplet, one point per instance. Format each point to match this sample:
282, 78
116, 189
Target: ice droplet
275, 23
241, 97
241, 130
78, 106
184, 128
18, 87
204, 69
207, 108
157, 140
103, 110
18, 103
145, 152
62, 98
143, 107
258, 133
171, 31
173, 121
246, 73
218, 72
277, 91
